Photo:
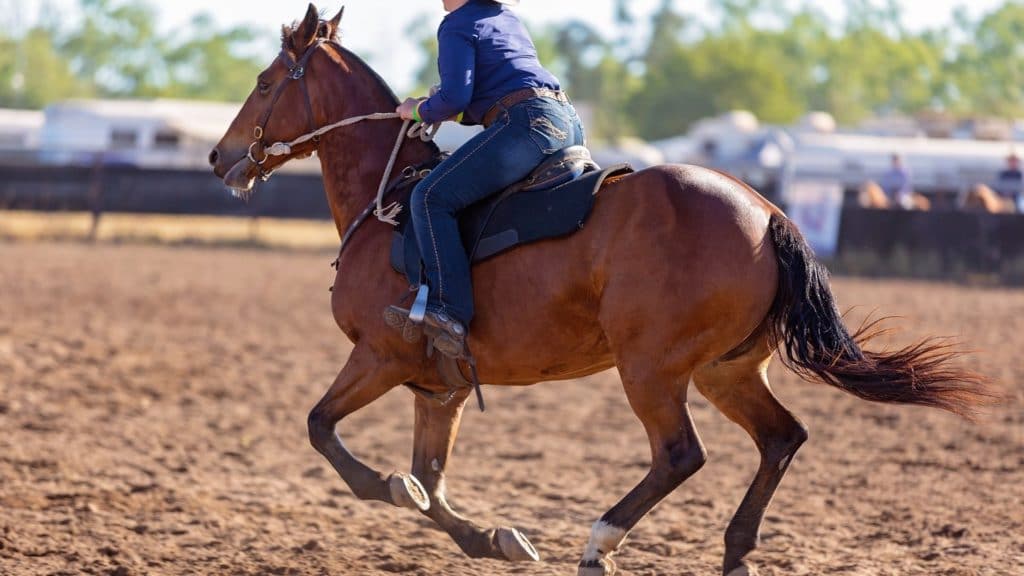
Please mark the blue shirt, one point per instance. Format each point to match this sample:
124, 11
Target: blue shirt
485, 54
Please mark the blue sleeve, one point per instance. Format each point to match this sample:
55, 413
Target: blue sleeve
457, 64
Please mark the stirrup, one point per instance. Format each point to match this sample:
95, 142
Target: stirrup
409, 322
398, 318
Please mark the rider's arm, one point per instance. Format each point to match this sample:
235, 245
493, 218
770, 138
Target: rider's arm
457, 65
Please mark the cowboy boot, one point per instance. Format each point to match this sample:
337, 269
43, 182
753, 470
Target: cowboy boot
448, 334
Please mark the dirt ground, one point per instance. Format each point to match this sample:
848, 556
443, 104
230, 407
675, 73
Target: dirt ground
153, 410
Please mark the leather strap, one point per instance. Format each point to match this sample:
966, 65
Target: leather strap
518, 97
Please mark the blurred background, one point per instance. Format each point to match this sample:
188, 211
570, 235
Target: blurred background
162, 342
889, 130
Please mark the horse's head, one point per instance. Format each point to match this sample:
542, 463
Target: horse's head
277, 110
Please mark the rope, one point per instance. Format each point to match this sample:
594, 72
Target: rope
425, 132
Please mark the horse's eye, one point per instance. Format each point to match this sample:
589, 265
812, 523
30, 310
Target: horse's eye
263, 86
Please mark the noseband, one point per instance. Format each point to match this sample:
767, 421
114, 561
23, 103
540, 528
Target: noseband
296, 71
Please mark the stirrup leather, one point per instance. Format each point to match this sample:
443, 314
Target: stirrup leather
444, 334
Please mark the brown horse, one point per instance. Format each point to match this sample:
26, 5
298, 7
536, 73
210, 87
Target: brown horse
981, 198
871, 195
681, 274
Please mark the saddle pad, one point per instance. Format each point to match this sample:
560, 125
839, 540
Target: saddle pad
510, 219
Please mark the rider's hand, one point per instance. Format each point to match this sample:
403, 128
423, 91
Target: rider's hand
406, 109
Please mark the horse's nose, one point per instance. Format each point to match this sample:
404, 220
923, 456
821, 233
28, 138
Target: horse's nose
214, 156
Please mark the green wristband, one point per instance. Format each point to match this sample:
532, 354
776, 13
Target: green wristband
416, 112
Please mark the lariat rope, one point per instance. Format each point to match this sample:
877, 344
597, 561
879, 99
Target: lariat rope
424, 132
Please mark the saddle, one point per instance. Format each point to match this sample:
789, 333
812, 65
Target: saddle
554, 201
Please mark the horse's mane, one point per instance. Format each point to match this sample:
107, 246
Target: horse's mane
354, 60
331, 36
351, 58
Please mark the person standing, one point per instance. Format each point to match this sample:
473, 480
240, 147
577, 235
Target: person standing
1011, 182
898, 184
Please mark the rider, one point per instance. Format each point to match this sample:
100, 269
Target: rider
490, 75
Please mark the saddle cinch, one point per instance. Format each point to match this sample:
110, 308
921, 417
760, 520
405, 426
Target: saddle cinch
554, 201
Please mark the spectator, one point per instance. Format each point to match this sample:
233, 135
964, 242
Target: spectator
1011, 182
898, 184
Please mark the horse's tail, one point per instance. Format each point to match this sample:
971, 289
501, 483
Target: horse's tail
805, 323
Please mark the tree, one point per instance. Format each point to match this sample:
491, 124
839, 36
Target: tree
33, 73
423, 35
205, 64
987, 74
116, 47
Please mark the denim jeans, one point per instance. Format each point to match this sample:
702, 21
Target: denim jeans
503, 154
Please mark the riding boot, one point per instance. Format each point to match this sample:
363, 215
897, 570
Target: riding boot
448, 334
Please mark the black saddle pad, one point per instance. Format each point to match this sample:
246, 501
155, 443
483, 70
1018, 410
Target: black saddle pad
509, 219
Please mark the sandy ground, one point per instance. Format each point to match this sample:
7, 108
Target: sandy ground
152, 421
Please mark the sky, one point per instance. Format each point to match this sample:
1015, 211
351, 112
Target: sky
375, 29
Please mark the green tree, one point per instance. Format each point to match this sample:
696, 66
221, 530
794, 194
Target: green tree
987, 74
205, 65
730, 67
33, 73
421, 30
116, 46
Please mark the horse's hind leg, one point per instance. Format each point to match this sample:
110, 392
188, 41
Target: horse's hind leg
740, 390
436, 428
659, 400
364, 378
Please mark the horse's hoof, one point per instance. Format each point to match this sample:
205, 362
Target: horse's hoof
407, 492
744, 570
602, 567
515, 546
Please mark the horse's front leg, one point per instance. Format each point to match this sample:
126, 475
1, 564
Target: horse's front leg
437, 425
364, 378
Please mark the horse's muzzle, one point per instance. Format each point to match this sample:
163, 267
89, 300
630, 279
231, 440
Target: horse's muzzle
242, 175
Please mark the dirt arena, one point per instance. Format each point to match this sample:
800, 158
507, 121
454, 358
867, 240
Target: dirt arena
153, 410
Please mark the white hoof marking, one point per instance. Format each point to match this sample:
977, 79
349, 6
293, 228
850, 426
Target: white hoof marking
604, 539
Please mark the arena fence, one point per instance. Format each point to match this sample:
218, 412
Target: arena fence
950, 245
964, 246
128, 189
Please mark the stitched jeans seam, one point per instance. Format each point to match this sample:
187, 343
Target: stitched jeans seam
426, 208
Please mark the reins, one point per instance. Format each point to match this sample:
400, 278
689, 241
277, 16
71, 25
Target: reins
297, 71
387, 214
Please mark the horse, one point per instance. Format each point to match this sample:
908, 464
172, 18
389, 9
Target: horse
871, 195
981, 198
681, 274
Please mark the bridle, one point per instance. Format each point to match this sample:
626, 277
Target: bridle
296, 71
387, 214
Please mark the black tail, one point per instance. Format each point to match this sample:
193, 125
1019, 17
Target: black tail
805, 323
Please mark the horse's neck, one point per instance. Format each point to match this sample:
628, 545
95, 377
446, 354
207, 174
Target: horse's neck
353, 167
353, 159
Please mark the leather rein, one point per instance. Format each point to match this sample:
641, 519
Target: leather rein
448, 368
297, 72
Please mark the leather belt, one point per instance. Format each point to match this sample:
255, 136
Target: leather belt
518, 97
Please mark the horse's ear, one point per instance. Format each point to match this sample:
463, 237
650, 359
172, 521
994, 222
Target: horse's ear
333, 24
305, 33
